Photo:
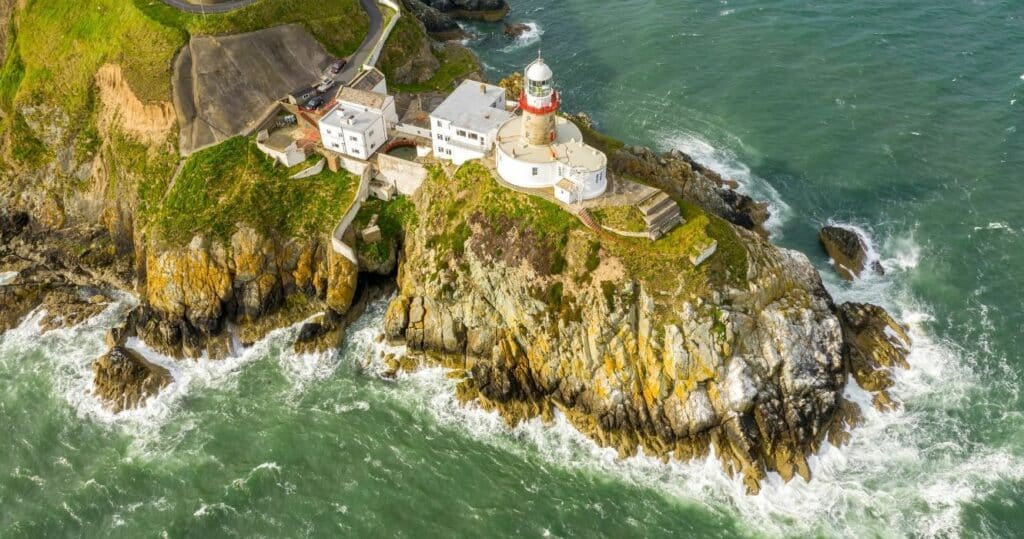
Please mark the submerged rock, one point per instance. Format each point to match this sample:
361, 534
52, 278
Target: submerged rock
123, 379
848, 250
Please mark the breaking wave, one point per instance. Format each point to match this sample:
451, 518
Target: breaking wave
908, 472
530, 37
729, 165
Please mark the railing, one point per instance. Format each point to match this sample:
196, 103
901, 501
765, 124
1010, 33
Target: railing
338, 237
371, 59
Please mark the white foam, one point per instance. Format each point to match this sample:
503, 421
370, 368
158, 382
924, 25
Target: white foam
904, 472
7, 277
730, 167
529, 37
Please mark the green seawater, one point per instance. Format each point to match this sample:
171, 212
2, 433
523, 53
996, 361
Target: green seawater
902, 118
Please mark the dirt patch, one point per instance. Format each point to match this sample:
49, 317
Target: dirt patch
224, 85
150, 123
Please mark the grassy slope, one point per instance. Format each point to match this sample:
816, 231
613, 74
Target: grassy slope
58, 45
663, 265
406, 40
234, 183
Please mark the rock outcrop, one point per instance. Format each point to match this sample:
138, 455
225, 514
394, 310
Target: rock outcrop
123, 379
874, 344
848, 251
439, 16
515, 30
193, 293
681, 176
751, 365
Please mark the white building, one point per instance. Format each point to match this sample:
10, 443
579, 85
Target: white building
371, 80
353, 131
465, 125
369, 101
281, 146
540, 149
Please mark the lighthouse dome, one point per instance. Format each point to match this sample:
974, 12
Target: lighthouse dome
539, 71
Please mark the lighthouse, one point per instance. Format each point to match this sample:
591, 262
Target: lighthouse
541, 150
539, 103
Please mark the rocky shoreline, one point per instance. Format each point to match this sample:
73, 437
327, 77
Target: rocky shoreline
640, 345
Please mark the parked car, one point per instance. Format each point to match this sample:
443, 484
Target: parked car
314, 104
336, 67
325, 84
286, 121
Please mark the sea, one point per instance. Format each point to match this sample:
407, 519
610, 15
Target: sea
904, 119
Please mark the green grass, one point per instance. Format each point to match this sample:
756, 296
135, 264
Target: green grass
625, 218
394, 217
406, 41
457, 62
233, 183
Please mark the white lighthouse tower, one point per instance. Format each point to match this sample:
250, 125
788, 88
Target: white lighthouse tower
539, 103
542, 150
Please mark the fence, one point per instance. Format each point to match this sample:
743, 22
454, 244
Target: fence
371, 59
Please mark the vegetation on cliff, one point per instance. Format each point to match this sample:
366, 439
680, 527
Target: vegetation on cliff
412, 64
233, 184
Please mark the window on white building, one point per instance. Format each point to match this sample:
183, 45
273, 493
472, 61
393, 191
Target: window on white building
353, 138
439, 123
536, 171
474, 136
460, 132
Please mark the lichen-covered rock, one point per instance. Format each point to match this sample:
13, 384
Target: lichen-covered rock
193, 292
874, 344
752, 367
848, 251
123, 379
680, 175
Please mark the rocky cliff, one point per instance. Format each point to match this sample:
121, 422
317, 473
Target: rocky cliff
439, 16
744, 354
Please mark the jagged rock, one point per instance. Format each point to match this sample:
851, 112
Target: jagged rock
125, 380
848, 250
874, 344
754, 370
680, 175
67, 307
438, 16
194, 291
515, 30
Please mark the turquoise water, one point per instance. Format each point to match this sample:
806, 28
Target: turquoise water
898, 117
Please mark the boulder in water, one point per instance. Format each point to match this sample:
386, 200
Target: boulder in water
848, 250
516, 30
125, 380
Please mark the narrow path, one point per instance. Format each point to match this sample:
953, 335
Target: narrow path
223, 7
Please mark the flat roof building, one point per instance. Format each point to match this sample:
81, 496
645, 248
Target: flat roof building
465, 125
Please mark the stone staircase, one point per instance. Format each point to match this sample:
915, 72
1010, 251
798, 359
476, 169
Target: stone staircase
661, 214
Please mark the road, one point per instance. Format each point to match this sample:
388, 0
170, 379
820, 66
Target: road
355, 61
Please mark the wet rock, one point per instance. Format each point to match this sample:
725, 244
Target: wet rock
680, 175
124, 380
848, 250
874, 344
515, 30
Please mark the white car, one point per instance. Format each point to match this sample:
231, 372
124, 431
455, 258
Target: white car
325, 84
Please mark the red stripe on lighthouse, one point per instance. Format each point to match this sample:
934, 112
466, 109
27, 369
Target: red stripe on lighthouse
523, 104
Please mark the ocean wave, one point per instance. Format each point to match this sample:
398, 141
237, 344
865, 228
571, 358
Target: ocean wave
906, 472
729, 165
528, 38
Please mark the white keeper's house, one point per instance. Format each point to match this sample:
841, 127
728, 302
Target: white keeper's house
465, 125
540, 149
